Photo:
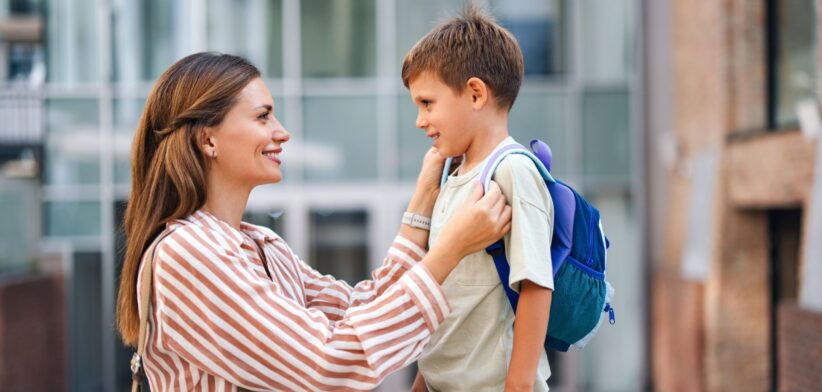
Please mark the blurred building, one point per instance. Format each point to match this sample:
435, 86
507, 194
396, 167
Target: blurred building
32, 298
735, 194
333, 67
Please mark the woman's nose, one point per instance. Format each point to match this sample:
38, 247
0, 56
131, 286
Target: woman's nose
280, 133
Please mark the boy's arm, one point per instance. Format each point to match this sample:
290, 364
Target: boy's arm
530, 324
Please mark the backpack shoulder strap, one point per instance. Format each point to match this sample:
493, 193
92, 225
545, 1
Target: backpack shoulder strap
445, 170
497, 249
145, 300
497, 157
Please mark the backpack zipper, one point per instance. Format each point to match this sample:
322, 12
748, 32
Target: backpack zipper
590, 260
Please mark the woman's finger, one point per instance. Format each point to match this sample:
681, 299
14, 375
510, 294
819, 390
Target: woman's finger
491, 195
475, 196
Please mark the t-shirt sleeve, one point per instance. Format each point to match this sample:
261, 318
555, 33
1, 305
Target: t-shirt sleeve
528, 245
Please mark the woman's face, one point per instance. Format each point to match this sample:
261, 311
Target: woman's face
249, 140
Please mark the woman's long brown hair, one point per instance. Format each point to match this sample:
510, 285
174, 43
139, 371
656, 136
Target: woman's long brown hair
168, 167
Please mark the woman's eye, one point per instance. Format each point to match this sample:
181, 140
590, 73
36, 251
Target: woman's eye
264, 116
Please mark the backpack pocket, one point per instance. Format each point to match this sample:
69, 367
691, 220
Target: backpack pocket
576, 304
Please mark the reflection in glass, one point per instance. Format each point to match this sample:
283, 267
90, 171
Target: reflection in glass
417, 18
339, 244
73, 53
606, 135
338, 38
340, 139
20, 228
542, 116
127, 114
248, 28
538, 27
72, 142
796, 58
143, 39
606, 44
72, 218
25, 62
272, 219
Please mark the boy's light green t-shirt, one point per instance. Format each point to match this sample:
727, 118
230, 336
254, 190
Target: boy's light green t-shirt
471, 350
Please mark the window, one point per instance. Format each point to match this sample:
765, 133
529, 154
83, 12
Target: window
271, 219
72, 142
340, 138
606, 136
338, 38
248, 28
73, 50
792, 59
339, 244
539, 29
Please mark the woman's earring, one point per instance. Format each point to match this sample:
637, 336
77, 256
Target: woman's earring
214, 155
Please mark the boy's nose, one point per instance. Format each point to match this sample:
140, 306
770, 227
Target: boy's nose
422, 123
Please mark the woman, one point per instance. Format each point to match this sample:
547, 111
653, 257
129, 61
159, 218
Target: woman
231, 305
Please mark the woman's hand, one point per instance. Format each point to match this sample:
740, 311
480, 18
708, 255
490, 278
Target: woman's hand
431, 171
425, 195
478, 222
475, 224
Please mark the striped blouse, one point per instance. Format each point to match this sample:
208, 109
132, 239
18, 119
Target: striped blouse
219, 321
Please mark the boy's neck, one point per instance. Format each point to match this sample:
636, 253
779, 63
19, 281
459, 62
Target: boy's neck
483, 145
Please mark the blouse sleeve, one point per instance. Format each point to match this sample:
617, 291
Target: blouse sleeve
241, 327
333, 297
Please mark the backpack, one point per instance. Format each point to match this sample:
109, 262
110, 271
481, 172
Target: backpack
581, 297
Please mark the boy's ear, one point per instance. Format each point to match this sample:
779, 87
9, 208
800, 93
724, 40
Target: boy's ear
478, 91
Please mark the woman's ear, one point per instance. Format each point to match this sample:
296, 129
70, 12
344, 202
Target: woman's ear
207, 141
478, 91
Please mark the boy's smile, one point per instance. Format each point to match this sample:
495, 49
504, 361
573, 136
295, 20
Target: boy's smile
443, 114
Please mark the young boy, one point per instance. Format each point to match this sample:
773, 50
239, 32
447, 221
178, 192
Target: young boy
464, 77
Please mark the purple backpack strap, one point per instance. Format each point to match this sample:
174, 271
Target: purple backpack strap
561, 195
497, 157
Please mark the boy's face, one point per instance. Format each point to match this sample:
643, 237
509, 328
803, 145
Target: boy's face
445, 116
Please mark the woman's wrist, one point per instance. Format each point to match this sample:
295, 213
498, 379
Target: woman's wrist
441, 260
421, 204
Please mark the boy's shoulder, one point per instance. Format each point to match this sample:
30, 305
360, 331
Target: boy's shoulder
517, 176
520, 167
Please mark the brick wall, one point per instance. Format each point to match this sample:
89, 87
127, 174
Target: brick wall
800, 349
32, 333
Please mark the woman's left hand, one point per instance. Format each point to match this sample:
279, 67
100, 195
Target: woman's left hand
431, 172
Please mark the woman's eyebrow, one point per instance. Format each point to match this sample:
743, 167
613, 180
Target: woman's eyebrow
266, 107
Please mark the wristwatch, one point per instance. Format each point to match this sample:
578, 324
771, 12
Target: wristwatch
416, 220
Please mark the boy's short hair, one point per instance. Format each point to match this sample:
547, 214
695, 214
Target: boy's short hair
470, 45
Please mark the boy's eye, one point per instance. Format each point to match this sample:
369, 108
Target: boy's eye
425, 102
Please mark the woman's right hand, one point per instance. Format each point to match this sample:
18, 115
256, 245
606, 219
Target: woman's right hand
478, 222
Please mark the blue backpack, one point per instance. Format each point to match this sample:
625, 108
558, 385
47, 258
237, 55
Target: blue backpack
581, 297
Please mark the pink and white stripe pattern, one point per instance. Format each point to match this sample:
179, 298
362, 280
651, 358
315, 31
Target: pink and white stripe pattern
218, 321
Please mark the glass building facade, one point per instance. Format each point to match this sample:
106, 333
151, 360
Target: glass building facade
333, 67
